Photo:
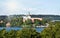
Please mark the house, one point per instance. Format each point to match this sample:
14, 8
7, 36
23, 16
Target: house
8, 24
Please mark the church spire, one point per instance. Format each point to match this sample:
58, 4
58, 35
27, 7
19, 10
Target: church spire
28, 13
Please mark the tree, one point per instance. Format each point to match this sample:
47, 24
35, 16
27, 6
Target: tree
37, 22
19, 34
17, 21
29, 33
52, 31
11, 34
2, 33
28, 23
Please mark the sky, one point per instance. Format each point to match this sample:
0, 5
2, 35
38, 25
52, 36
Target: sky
11, 7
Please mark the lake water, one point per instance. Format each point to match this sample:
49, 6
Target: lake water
17, 28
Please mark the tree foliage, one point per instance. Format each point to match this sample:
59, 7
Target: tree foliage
28, 23
53, 31
16, 21
24, 33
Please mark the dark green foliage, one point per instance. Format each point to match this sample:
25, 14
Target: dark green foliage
28, 23
53, 31
24, 33
17, 22
30, 33
37, 22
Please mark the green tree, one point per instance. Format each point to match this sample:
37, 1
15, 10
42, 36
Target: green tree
37, 22
17, 21
11, 34
2, 33
28, 23
29, 33
52, 31
18, 34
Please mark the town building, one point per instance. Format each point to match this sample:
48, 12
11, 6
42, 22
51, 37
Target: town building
31, 18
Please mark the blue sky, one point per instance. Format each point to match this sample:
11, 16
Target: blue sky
10, 7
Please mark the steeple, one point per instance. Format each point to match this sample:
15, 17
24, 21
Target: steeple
29, 13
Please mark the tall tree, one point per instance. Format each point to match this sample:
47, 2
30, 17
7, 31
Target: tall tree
28, 23
17, 21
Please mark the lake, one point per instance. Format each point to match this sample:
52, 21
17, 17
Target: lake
17, 28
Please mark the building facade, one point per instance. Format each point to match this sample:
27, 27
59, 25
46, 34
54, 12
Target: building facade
29, 17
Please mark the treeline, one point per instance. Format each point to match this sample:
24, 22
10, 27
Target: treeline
18, 22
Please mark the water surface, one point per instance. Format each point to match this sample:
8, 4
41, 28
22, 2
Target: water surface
17, 28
